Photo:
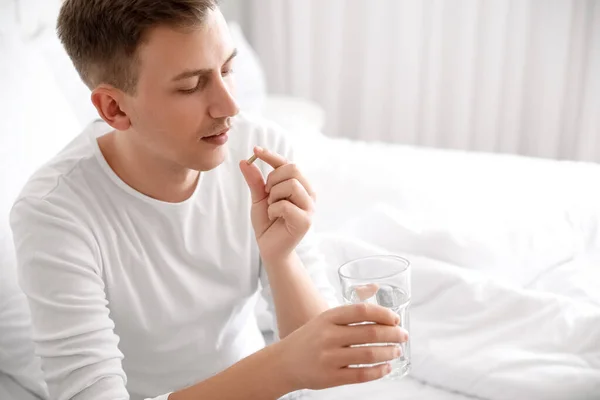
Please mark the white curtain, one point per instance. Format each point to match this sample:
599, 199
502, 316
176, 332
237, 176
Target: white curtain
520, 76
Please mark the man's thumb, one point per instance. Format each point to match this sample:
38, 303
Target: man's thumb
255, 181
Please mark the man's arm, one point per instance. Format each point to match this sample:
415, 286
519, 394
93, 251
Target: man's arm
315, 356
244, 380
73, 332
58, 267
294, 294
282, 208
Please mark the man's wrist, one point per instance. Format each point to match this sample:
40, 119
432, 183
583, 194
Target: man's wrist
281, 263
278, 367
246, 379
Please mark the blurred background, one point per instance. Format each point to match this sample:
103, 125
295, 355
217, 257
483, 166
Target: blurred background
512, 76
507, 76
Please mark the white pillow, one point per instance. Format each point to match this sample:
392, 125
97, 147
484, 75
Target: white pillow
515, 255
75, 92
36, 16
37, 123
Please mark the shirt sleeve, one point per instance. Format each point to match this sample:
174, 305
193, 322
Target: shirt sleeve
20, 371
59, 270
308, 250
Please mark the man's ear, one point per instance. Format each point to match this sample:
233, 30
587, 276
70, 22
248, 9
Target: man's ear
109, 103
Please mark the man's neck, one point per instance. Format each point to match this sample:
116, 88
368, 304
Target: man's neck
147, 173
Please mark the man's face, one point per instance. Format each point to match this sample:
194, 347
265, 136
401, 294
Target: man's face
185, 94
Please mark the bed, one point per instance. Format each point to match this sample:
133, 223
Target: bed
506, 263
408, 388
505, 249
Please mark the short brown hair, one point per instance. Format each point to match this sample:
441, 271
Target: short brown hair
102, 36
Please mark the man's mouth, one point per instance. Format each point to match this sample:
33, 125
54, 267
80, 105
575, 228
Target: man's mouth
218, 138
222, 131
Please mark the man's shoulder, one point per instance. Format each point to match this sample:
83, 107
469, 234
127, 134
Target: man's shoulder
60, 171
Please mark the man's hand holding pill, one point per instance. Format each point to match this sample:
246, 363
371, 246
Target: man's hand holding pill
318, 345
282, 206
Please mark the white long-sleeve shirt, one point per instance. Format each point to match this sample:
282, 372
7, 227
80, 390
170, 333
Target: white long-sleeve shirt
135, 298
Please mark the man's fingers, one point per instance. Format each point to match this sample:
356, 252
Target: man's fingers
371, 333
366, 355
362, 312
347, 376
292, 215
273, 159
282, 170
293, 191
255, 181
285, 172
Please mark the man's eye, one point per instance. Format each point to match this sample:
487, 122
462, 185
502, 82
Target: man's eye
227, 72
201, 83
189, 91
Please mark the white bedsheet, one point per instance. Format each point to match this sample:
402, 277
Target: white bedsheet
490, 194
480, 336
506, 257
530, 223
405, 389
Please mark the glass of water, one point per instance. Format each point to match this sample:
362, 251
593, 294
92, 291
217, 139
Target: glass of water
382, 280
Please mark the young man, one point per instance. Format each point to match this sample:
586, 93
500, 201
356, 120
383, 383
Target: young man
141, 245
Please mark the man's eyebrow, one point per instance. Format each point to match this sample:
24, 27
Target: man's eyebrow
201, 72
232, 56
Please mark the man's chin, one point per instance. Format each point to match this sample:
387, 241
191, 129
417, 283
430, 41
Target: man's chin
209, 160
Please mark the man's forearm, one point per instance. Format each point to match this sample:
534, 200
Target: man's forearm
244, 380
296, 298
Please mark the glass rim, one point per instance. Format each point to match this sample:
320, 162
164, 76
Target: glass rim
402, 260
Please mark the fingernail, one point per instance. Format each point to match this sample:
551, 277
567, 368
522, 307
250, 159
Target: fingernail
259, 149
388, 368
397, 320
397, 352
404, 334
